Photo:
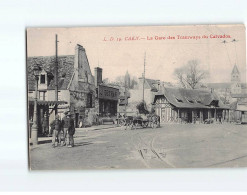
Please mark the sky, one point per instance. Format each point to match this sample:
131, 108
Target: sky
175, 46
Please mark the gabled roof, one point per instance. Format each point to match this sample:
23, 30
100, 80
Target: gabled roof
151, 84
188, 98
233, 105
235, 70
65, 70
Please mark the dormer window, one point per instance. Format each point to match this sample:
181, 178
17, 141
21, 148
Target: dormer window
42, 79
179, 100
189, 100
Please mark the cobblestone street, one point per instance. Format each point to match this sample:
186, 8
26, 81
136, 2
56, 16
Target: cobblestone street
171, 146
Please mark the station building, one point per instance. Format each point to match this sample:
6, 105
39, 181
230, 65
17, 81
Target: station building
189, 106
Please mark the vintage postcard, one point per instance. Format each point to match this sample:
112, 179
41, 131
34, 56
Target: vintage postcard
137, 97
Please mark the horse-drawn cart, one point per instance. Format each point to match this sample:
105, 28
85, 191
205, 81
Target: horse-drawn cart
142, 121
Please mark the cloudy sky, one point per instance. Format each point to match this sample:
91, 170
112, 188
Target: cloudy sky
162, 56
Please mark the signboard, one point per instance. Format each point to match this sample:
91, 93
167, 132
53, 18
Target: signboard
108, 93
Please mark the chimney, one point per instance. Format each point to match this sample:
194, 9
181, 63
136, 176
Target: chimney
98, 75
158, 82
78, 61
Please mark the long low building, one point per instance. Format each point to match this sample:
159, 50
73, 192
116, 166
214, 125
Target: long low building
187, 105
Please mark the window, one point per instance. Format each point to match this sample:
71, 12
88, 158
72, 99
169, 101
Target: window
89, 100
179, 100
59, 96
198, 101
42, 95
189, 100
42, 79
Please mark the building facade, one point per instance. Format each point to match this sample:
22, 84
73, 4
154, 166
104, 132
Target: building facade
189, 106
76, 85
151, 87
107, 96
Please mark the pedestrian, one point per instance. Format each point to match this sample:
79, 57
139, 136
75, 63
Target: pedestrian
220, 119
69, 129
56, 124
80, 124
44, 126
71, 132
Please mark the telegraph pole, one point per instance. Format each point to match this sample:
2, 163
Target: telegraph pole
125, 98
144, 76
56, 76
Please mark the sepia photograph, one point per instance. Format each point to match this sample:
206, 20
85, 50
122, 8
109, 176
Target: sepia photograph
136, 97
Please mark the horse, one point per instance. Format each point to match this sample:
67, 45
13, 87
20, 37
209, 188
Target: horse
154, 120
126, 121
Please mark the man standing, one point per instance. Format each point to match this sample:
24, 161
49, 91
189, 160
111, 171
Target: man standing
44, 126
69, 129
57, 127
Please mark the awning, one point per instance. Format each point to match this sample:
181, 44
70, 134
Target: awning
46, 103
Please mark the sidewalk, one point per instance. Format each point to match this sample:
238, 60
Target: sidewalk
43, 140
98, 127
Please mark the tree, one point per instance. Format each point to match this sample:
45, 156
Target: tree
106, 81
191, 74
142, 108
133, 82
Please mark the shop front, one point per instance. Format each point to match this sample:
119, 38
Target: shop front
108, 100
45, 109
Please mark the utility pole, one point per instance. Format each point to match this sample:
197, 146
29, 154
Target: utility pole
125, 98
56, 76
144, 76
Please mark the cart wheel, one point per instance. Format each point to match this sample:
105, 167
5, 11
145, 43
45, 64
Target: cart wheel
122, 122
145, 124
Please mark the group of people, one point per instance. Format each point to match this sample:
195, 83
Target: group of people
63, 131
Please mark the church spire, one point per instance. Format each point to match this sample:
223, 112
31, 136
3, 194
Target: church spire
235, 70
127, 79
235, 76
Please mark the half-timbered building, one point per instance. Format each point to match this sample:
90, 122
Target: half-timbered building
190, 106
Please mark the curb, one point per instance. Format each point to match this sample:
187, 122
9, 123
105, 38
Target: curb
99, 128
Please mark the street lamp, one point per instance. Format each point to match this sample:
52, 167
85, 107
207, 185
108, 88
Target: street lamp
34, 133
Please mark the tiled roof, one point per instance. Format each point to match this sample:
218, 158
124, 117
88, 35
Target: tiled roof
65, 70
151, 83
233, 105
188, 98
